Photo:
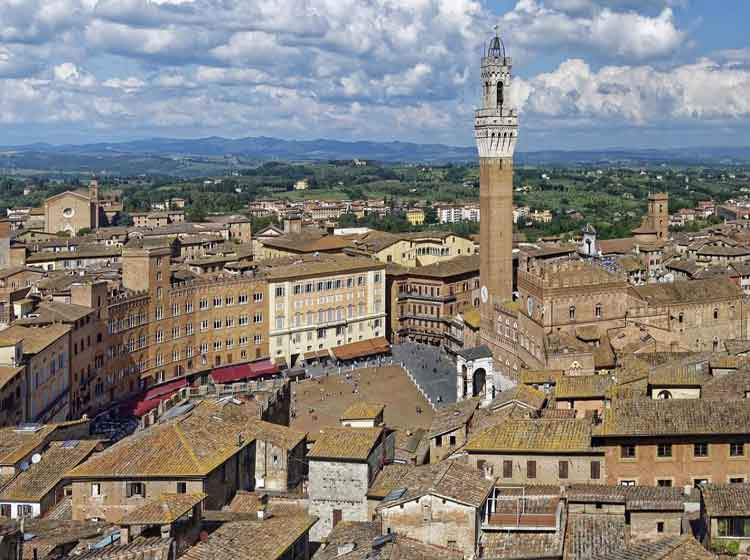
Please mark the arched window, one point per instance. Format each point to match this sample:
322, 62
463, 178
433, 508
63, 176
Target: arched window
572, 312
716, 312
500, 94
664, 395
680, 318
598, 310
716, 344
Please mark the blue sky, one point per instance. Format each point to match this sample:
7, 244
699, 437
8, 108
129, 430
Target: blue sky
590, 73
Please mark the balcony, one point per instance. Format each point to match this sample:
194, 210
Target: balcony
425, 297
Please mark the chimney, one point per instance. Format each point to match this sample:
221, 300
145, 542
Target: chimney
293, 223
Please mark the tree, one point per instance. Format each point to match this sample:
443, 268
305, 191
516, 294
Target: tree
430, 215
196, 214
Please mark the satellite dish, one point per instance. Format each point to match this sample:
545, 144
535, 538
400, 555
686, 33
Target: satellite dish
24, 466
35, 458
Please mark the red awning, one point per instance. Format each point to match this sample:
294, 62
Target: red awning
144, 406
165, 389
231, 374
151, 398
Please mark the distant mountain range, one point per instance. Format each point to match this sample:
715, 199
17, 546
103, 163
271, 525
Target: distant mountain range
202, 156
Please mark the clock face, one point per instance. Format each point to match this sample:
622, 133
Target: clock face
484, 294
530, 305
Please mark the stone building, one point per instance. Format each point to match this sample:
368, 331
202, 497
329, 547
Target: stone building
648, 512
280, 464
343, 464
36, 490
45, 354
538, 451
413, 249
157, 219
675, 442
725, 515
72, 211
702, 314
449, 429
209, 451
439, 505
422, 301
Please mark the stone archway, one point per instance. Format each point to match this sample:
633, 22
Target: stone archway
479, 382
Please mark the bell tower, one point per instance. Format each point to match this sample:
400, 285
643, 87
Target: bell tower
496, 131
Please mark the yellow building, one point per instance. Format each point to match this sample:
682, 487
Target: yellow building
415, 216
44, 351
414, 249
323, 303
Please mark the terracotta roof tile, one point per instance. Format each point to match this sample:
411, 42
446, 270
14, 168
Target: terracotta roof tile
726, 500
166, 508
583, 386
266, 539
345, 443
41, 478
683, 547
646, 417
590, 535
362, 410
538, 435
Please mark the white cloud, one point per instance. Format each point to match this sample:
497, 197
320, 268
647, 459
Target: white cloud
532, 24
638, 95
348, 68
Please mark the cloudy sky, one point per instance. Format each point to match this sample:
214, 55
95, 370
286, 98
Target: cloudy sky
589, 73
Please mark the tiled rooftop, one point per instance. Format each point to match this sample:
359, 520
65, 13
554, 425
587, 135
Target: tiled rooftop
727, 499
40, 479
345, 443
591, 535
362, 410
539, 435
166, 508
448, 479
645, 417
452, 417
683, 547
259, 539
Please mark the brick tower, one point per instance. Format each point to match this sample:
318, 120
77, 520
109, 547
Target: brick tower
496, 131
658, 214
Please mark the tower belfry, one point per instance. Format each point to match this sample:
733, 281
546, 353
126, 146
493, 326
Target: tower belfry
496, 132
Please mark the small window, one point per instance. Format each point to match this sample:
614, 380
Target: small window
736, 449
452, 441
627, 451
716, 313
182, 487
664, 482
664, 450
136, 489
507, 469
596, 470
96, 489
700, 450
736, 480
439, 441
660, 526
530, 469
562, 468
572, 312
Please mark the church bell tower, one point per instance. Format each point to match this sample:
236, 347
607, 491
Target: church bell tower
496, 131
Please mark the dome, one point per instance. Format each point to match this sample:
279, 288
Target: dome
496, 48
